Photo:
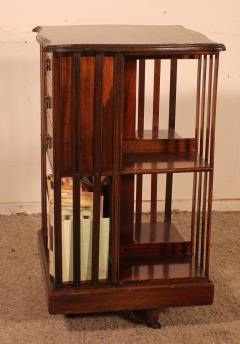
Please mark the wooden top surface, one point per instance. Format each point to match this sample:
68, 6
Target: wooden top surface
124, 38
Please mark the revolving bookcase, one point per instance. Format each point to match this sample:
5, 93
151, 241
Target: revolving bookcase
93, 124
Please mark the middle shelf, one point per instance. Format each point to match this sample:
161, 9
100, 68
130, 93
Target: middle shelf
163, 151
163, 163
148, 152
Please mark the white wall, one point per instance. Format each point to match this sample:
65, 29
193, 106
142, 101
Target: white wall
19, 85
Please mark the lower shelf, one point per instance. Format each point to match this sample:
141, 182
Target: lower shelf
179, 267
127, 296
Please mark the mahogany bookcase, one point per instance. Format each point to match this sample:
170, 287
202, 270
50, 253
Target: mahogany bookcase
92, 124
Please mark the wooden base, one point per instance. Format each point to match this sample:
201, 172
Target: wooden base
126, 296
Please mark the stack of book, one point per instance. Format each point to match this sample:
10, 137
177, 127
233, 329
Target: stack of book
86, 215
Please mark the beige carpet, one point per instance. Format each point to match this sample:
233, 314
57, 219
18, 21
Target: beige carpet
23, 311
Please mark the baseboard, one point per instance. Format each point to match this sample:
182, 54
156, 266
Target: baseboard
18, 208
224, 204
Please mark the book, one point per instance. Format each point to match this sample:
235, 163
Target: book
86, 216
85, 250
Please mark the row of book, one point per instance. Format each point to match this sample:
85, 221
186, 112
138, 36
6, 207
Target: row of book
86, 221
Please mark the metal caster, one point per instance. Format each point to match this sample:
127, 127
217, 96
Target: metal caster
154, 325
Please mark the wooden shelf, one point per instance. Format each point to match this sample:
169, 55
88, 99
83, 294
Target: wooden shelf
156, 240
163, 134
161, 141
183, 267
159, 252
157, 232
163, 163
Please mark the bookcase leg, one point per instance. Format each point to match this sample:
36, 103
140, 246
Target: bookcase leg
151, 318
147, 317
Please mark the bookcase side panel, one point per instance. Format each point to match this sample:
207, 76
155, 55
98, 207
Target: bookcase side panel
63, 113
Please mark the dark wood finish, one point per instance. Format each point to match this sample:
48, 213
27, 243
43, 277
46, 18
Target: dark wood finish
210, 187
154, 251
125, 298
129, 122
98, 124
43, 147
65, 110
89, 95
58, 76
171, 125
48, 144
117, 151
163, 163
86, 108
76, 168
125, 38
158, 232
107, 103
156, 97
166, 269
155, 127
140, 128
165, 293
154, 240
127, 209
159, 146
198, 97
204, 206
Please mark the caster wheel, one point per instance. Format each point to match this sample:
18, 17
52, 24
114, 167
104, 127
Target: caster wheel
154, 325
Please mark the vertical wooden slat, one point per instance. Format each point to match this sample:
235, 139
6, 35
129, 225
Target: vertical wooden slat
66, 112
86, 112
171, 125
212, 147
141, 96
202, 121
201, 142
155, 127
209, 102
118, 96
193, 216
141, 102
57, 123
98, 123
198, 98
156, 97
199, 200
107, 97
76, 168
43, 149
129, 123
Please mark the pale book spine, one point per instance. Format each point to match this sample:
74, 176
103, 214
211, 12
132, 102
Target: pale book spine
67, 250
104, 248
85, 249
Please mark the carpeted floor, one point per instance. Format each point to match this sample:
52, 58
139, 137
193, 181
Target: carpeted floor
23, 312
